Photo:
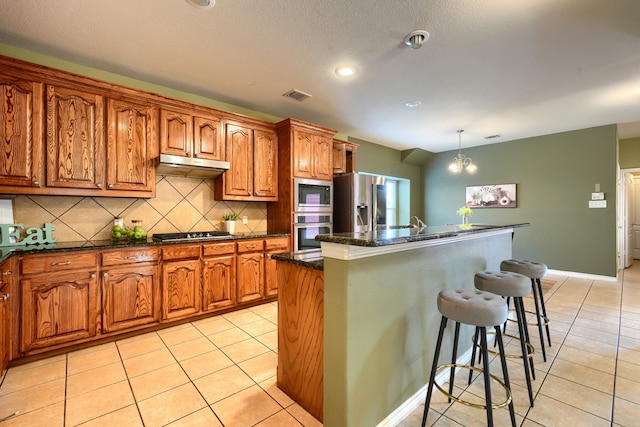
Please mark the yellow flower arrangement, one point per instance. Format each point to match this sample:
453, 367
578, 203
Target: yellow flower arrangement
465, 212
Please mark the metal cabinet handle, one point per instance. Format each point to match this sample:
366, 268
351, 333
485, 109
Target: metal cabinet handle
53, 264
6, 273
98, 185
93, 275
206, 263
110, 186
35, 183
105, 274
251, 246
4, 297
132, 256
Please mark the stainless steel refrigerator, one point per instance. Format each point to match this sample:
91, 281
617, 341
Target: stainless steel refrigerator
359, 202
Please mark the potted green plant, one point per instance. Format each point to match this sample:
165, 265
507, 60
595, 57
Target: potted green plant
230, 221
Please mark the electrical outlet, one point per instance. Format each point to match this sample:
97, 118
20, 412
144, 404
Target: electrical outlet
245, 220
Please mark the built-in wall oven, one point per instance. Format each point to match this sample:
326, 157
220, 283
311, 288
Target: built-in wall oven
311, 195
306, 226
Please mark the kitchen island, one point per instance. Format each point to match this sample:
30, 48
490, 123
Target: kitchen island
379, 317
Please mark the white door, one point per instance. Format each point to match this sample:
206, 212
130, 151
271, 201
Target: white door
629, 216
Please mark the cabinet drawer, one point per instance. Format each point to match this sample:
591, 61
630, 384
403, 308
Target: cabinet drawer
181, 252
250, 246
129, 256
281, 243
218, 249
33, 264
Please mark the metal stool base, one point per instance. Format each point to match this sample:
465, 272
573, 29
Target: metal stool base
466, 402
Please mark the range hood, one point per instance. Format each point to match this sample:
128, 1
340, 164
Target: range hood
190, 166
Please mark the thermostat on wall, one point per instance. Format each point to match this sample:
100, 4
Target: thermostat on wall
597, 196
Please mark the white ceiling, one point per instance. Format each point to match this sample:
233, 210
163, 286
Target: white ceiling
516, 68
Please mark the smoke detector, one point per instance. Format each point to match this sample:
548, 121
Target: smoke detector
416, 39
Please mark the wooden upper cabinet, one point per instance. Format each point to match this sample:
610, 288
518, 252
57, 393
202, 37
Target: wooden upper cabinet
323, 158
131, 140
20, 132
75, 139
189, 134
253, 157
265, 164
344, 157
312, 155
238, 180
207, 138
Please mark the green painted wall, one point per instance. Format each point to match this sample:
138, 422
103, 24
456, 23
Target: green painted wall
629, 153
555, 176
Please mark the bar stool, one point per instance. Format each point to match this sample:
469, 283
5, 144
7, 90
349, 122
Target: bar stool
508, 284
534, 271
481, 309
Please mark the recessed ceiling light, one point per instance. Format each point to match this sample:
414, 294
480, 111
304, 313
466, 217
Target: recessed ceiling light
346, 71
202, 4
412, 104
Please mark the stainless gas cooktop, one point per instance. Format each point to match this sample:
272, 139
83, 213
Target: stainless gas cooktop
191, 236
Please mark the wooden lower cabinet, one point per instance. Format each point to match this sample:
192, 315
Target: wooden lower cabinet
218, 276
181, 283
272, 246
6, 288
58, 308
130, 297
250, 270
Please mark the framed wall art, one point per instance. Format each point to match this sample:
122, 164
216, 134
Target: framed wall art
491, 196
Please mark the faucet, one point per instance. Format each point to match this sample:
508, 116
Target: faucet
419, 222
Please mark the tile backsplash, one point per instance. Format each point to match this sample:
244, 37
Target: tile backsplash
181, 204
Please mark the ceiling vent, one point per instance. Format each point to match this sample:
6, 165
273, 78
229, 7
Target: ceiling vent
296, 94
497, 135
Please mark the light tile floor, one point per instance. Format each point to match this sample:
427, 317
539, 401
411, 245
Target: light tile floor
221, 371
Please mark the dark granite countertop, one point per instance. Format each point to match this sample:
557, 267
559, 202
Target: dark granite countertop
314, 262
7, 251
398, 235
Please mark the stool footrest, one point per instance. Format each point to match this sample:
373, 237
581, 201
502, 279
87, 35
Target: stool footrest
530, 350
466, 402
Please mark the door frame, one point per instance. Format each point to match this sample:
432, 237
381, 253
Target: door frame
622, 220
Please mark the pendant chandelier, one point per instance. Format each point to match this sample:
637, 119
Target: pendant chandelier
461, 161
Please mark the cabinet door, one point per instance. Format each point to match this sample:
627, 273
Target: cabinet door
273, 246
238, 180
58, 308
180, 288
302, 154
131, 136
339, 157
176, 133
130, 297
265, 164
322, 158
75, 139
250, 281
218, 282
20, 132
207, 138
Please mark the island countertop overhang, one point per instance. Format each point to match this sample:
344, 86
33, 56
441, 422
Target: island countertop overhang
357, 245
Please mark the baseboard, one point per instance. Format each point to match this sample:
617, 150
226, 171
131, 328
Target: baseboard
417, 399
584, 275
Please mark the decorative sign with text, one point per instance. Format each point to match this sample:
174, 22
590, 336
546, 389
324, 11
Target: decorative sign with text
10, 234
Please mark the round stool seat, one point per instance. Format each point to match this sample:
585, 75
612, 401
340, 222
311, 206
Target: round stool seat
531, 269
505, 283
472, 307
